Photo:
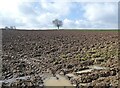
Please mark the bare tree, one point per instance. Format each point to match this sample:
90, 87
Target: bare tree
57, 23
12, 27
6, 28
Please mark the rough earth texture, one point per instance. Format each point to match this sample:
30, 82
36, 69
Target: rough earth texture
41, 53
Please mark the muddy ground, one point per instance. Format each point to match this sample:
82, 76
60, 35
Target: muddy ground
84, 58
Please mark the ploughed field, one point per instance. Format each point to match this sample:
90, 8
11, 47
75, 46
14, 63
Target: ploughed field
84, 58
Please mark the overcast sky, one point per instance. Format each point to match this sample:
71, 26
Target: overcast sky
40, 13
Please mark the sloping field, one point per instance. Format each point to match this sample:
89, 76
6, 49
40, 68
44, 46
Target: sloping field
84, 58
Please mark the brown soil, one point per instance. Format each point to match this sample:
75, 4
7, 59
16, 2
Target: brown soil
40, 54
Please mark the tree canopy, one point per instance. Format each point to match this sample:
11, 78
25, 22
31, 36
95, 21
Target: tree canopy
57, 23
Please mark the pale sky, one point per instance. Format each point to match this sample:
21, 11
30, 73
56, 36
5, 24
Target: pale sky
40, 13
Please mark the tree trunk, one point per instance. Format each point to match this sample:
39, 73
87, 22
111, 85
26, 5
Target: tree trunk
58, 27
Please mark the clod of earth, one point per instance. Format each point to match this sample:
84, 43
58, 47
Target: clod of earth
89, 58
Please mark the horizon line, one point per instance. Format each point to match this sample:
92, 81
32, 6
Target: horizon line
61, 29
